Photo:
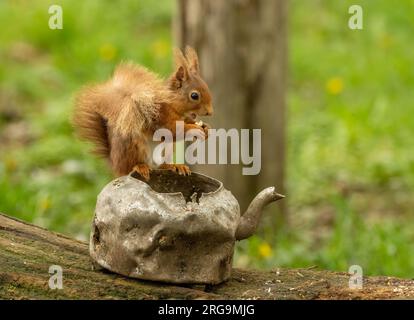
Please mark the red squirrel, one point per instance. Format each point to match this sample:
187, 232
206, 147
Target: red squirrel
121, 115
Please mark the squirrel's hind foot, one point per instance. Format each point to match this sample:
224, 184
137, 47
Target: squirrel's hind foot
143, 170
181, 169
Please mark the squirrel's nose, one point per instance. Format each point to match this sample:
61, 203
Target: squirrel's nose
209, 110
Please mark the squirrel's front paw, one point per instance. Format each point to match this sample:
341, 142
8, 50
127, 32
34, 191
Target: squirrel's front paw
181, 169
196, 131
143, 170
205, 127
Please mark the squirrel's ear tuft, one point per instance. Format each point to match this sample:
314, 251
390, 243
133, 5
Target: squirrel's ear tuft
181, 74
192, 59
181, 65
179, 58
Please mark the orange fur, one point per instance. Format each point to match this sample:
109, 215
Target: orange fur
120, 115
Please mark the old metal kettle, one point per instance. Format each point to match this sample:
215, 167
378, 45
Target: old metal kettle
172, 228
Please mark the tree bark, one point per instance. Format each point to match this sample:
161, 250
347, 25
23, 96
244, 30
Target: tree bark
27, 252
243, 51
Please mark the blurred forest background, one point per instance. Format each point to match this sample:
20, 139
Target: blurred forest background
350, 156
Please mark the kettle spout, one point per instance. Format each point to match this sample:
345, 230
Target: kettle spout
250, 219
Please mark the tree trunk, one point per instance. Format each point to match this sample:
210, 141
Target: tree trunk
243, 52
27, 252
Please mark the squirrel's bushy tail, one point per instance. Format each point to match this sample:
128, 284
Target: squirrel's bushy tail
90, 125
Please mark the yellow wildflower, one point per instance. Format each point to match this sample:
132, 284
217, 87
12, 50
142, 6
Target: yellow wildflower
10, 164
335, 85
107, 52
386, 41
265, 250
160, 48
45, 204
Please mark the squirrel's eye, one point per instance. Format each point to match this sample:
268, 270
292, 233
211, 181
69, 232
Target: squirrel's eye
194, 95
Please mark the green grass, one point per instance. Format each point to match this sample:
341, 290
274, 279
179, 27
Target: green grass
351, 122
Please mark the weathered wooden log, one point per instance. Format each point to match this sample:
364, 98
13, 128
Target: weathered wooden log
27, 252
